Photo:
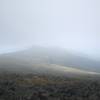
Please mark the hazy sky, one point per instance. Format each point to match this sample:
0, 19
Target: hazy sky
70, 24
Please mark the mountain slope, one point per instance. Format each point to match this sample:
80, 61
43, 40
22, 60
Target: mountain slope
38, 55
18, 66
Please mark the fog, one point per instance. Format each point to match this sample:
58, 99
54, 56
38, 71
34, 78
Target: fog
70, 24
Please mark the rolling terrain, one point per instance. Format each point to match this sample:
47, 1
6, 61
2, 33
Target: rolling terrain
47, 61
48, 74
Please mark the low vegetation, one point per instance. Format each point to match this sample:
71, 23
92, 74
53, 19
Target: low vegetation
41, 87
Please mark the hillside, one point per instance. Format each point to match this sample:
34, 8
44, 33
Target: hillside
48, 74
47, 61
37, 55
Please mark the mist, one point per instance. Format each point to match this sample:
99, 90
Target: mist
72, 25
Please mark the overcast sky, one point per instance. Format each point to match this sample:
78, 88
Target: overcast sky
70, 24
